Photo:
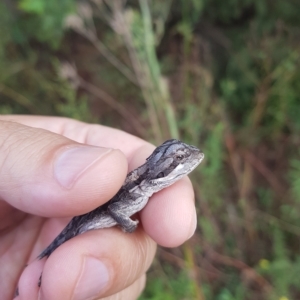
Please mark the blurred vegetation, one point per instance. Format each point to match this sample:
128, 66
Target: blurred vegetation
224, 75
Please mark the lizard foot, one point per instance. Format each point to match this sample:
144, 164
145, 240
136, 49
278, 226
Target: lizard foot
130, 227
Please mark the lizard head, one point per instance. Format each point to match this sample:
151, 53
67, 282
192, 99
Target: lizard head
172, 160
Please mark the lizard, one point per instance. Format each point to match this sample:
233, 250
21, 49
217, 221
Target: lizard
167, 164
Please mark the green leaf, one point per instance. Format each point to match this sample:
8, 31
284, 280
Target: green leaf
32, 6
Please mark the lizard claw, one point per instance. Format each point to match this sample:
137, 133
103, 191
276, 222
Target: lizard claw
131, 228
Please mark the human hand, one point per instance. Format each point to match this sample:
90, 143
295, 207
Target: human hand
49, 174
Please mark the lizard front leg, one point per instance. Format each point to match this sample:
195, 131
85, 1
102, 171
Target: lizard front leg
122, 218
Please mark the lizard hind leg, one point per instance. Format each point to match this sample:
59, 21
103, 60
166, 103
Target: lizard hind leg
122, 219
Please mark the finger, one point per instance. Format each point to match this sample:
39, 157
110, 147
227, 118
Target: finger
91, 134
16, 243
96, 264
170, 215
50, 175
132, 292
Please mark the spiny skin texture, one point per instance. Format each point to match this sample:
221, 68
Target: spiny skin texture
168, 163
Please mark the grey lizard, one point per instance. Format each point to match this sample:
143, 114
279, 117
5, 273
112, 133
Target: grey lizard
168, 163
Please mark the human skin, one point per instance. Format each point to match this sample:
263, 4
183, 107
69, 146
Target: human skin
52, 169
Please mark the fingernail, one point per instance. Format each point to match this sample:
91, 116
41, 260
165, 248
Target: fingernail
94, 278
193, 225
73, 162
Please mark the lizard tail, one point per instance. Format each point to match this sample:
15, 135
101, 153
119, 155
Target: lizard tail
65, 235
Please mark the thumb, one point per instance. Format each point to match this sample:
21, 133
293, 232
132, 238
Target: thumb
47, 174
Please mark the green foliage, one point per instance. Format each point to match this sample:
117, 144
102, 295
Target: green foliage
32, 6
224, 75
295, 178
46, 20
173, 287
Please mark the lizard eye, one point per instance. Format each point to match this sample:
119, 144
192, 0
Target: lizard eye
179, 157
160, 175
